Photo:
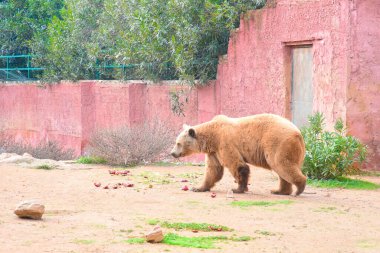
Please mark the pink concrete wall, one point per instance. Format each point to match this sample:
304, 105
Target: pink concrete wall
256, 70
69, 113
363, 92
31, 114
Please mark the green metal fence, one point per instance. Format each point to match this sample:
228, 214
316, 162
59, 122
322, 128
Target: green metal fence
18, 68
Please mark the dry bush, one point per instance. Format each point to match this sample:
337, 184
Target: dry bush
133, 145
44, 150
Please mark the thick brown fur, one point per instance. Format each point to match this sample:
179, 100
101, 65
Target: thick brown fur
265, 140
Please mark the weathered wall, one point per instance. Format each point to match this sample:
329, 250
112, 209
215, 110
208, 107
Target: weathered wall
70, 113
33, 114
256, 71
363, 90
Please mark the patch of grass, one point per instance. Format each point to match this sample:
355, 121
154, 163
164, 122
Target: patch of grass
368, 173
194, 175
135, 240
91, 160
202, 242
126, 231
263, 232
153, 222
368, 244
261, 203
84, 241
206, 227
241, 239
99, 226
325, 209
153, 177
345, 183
45, 167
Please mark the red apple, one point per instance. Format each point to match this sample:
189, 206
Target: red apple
185, 188
213, 195
97, 184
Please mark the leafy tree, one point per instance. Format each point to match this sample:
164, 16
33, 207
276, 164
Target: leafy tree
170, 39
21, 19
166, 39
64, 52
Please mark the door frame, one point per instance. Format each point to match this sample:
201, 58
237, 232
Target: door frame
287, 56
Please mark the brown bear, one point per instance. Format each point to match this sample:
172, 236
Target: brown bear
264, 140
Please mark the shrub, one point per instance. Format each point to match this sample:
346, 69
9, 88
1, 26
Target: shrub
132, 145
330, 154
44, 150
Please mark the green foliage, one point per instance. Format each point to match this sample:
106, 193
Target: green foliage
175, 39
202, 242
343, 182
194, 226
91, 160
45, 167
241, 238
65, 51
21, 20
260, 203
330, 154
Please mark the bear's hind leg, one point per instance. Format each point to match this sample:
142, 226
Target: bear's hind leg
285, 188
214, 172
242, 177
293, 176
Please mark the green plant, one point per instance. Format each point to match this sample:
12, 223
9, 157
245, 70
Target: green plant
260, 203
203, 242
343, 182
91, 160
194, 226
330, 154
45, 167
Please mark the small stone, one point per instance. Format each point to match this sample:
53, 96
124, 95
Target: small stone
155, 235
230, 194
30, 209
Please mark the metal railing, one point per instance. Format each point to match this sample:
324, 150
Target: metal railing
17, 68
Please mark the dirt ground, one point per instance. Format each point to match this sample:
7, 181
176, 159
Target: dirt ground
80, 217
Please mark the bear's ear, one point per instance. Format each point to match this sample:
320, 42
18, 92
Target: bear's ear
185, 126
192, 133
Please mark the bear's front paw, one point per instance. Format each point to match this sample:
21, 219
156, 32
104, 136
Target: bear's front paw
200, 189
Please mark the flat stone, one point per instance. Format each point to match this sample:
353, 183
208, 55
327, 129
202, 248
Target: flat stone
30, 209
155, 235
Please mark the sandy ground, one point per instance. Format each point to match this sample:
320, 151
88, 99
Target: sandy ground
82, 218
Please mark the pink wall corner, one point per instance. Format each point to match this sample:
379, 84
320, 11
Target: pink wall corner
363, 91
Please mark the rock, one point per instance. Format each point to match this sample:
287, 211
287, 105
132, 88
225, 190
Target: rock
155, 235
30, 209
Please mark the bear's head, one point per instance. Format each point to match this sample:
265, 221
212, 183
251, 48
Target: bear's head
186, 143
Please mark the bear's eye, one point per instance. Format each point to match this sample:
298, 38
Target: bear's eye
179, 145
